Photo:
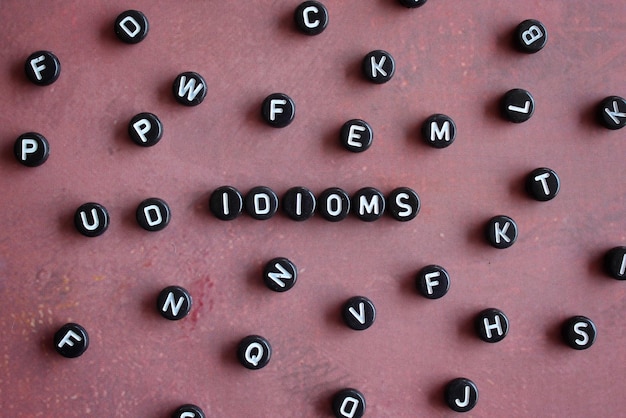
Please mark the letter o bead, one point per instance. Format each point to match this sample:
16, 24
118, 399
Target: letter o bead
334, 204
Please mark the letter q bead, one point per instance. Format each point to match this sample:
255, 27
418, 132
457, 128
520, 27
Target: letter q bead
254, 352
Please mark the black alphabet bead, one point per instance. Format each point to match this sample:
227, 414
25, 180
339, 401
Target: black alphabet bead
543, 184
42, 68
368, 204
491, 325
145, 129
280, 274
261, 203
188, 411
71, 340
579, 332
189, 88
278, 110
501, 231
174, 303
612, 112
356, 135
412, 4
334, 204
31, 149
226, 203
311, 17
439, 131
517, 105
153, 214
91, 219
299, 203
403, 204
131, 26
254, 352
461, 394
615, 263
531, 36
359, 313
348, 403
432, 281
378, 66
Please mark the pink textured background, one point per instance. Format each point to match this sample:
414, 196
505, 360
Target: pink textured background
452, 57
